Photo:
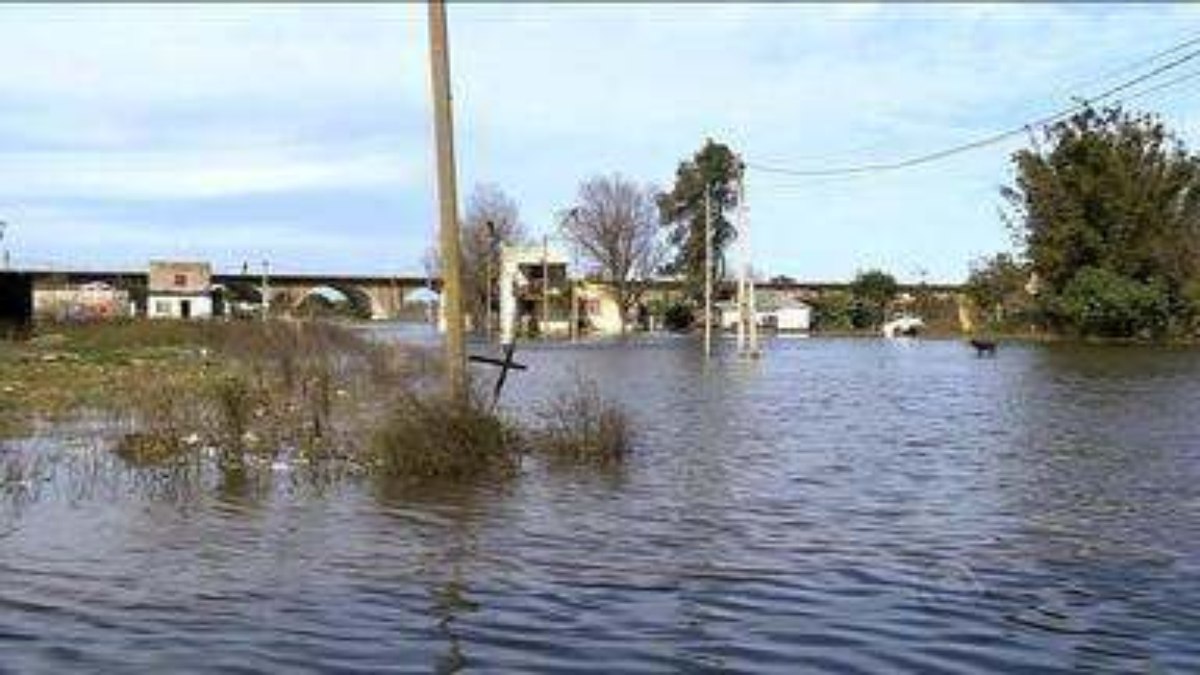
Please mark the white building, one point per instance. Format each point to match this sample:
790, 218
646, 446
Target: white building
535, 291
179, 290
773, 312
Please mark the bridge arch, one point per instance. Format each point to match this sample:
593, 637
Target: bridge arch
338, 298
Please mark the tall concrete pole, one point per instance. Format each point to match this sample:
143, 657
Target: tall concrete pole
543, 328
708, 255
743, 263
751, 301
443, 123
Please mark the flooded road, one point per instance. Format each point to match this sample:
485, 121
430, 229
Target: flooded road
842, 506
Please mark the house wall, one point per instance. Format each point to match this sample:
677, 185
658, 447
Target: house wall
171, 306
599, 308
793, 318
60, 304
180, 277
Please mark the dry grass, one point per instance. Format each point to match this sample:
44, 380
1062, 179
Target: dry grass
583, 427
429, 437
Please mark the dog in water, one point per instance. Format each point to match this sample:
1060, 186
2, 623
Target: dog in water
983, 347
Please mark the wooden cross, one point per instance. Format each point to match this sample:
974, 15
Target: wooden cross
506, 364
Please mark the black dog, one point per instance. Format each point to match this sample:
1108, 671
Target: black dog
983, 347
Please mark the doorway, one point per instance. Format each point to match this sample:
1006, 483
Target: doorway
185, 309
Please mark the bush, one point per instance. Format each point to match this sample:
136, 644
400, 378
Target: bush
679, 317
430, 437
1098, 302
584, 427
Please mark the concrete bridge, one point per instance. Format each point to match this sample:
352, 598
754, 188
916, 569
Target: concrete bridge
385, 296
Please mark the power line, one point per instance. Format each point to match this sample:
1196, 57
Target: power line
992, 139
1110, 74
841, 178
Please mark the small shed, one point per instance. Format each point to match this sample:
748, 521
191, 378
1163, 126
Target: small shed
179, 290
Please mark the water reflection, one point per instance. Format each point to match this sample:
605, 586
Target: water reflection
840, 506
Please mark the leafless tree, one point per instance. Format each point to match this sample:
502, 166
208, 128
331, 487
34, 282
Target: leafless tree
481, 243
615, 225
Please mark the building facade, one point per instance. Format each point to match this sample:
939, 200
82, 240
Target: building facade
179, 290
91, 301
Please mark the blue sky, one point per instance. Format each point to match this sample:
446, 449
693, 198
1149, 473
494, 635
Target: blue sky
302, 133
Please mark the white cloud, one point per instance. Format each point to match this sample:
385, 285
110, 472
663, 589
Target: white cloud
193, 174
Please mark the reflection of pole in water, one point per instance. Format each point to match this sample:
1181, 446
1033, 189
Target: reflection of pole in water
448, 601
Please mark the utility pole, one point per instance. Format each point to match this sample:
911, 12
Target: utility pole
266, 290
708, 254
743, 262
443, 123
744, 234
544, 327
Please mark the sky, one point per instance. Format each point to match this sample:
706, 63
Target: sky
302, 134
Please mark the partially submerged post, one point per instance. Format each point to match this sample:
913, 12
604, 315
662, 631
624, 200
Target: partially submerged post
747, 272
439, 57
708, 252
743, 314
544, 324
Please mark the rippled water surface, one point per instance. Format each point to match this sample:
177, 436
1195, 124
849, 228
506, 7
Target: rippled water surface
846, 506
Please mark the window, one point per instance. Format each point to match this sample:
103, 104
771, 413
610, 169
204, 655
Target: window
181, 280
162, 307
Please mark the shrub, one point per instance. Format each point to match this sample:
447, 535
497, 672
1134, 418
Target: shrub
678, 317
584, 427
432, 437
1102, 303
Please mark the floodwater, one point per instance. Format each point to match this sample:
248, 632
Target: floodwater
841, 506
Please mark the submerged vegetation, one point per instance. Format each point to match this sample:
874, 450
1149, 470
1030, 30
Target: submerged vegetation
432, 437
249, 398
582, 426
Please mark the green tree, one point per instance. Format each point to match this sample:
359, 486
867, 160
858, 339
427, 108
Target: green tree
873, 290
997, 285
833, 310
1114, 193
715, 169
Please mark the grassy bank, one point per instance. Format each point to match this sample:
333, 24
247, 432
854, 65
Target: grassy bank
246, 396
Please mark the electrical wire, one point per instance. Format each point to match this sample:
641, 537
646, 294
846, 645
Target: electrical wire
1028, 127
